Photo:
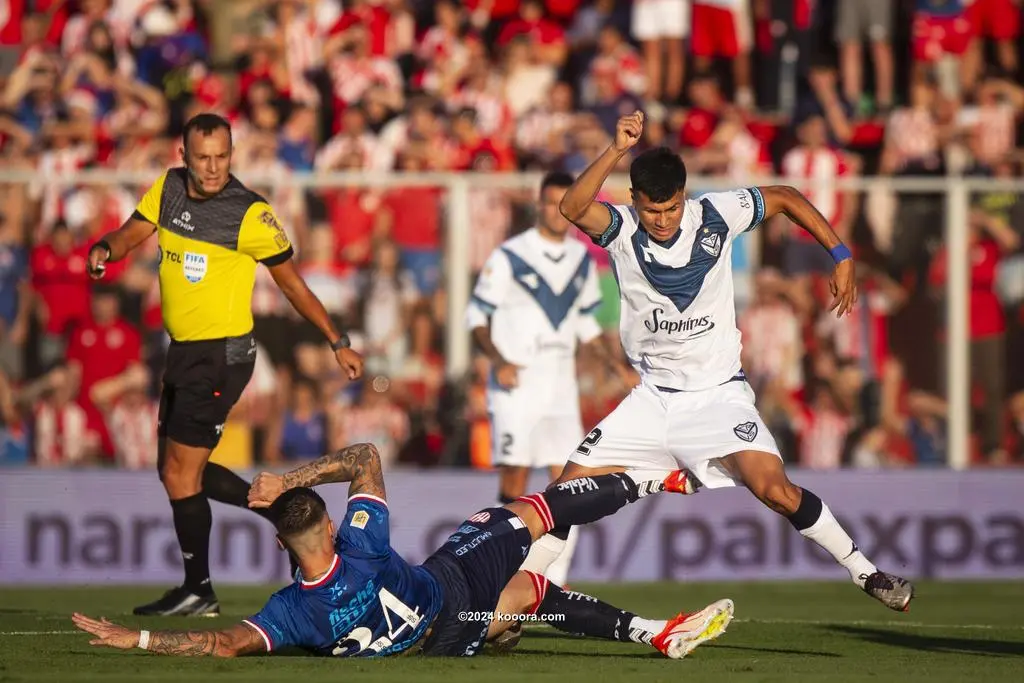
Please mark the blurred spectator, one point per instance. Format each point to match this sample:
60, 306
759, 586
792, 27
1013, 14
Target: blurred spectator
102, 348
941, 29
721, 29
130, 416
546, 37
375, 419
543, 135
617, 60
15, 299
410, 218
661, 26
526, 80
873, 20
355, 68
772, 343
989, 238
387, 295
301, 433
60, 286
60, 436
998, 20
992, 124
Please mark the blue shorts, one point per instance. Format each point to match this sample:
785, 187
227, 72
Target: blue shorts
473, 566
425, 267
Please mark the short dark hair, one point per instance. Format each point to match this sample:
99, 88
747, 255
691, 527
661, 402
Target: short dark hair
296, 511
659, 173
556, 179
206, 123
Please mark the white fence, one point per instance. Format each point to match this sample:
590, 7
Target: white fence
457, 187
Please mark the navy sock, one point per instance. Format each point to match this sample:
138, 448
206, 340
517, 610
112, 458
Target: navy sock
584, 500
807, 513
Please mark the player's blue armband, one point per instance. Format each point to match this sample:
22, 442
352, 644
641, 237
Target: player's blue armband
840, 253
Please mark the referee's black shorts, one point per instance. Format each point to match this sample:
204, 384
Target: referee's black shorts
202, 382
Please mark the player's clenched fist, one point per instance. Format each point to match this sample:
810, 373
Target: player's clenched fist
265, 489
628, 130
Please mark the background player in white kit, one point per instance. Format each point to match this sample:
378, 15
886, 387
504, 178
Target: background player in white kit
672, 260
532, 305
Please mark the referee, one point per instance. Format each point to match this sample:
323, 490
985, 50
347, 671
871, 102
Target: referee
213, 231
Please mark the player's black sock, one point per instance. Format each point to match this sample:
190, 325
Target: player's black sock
224, 486
585, 615
585, 500
192, 523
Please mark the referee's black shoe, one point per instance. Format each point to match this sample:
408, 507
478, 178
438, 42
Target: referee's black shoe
183, 603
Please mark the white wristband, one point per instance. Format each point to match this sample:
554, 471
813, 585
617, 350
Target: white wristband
144, 640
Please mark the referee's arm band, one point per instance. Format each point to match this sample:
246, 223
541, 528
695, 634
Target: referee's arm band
136, 215
278, 259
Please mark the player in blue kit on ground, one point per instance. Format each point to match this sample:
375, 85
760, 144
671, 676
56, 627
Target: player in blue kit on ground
357, 597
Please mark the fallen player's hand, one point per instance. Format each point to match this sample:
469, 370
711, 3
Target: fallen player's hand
507, 375
265, 489
351, 362
628, 130
108, 634
844, 288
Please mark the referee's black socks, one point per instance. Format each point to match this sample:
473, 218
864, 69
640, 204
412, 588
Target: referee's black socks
192, 523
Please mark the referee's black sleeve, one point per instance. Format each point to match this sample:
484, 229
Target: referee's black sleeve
278, 259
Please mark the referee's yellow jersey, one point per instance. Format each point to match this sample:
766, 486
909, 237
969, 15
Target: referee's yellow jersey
209, 249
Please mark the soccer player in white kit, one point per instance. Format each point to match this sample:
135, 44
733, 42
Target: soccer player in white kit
672, 259
532, 305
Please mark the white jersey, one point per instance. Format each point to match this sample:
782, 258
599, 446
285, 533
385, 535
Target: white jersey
540, 297
678, 319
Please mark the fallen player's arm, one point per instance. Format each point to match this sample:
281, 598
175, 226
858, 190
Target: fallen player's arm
358, 464
240, 639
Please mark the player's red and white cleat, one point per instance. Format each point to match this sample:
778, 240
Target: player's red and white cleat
686, 631
682, 481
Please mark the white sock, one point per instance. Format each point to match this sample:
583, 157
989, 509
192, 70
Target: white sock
827, 533
643, 630
648, 481
543, 552
558, 572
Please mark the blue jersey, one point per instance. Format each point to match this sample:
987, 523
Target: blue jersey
370, 603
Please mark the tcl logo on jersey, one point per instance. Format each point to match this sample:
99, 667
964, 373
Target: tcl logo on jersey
696, 326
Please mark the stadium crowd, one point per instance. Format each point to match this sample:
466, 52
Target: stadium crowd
744, 90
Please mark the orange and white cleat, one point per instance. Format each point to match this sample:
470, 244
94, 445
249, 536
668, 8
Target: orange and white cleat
686, 631
682, 481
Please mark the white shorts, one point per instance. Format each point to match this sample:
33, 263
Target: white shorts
652, 429
525, 433
653, 19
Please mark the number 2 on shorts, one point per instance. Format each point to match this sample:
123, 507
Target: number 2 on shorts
592, 440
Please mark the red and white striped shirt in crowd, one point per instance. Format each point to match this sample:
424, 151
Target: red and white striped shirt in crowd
861, 334
493, 115
437, 42
303, 50
823, 433
353, 76
58, 166
490, 219
132, 427
911, 135
374, 155
772, 345
61, 436
383, 424
625, 65
815, 165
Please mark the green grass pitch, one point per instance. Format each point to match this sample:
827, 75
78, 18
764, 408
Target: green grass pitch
783, 632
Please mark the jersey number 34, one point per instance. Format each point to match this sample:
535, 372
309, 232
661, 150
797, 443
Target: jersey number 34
359, 638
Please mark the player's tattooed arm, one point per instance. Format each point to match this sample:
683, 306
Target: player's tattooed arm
233, 642
359, 464
238, 640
